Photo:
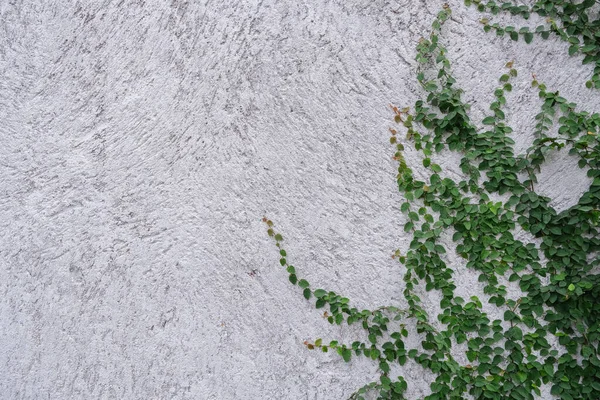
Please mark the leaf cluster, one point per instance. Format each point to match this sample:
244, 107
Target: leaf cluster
575, 22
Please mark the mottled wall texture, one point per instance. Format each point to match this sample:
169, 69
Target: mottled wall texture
143, 141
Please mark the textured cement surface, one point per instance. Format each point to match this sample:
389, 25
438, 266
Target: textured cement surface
143, 141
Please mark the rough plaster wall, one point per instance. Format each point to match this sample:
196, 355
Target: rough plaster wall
142, 142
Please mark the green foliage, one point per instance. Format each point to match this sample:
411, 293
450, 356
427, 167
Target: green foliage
572, 21
513, 357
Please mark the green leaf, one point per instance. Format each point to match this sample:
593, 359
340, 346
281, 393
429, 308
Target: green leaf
573, 49
385, 367
303, 283
431, 87
346, 355
528, 37
489, 121
588, 48
306, 293
385, 381
524, 30
471, 356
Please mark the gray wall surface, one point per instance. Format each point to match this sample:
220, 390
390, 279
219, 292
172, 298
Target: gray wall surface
143, 141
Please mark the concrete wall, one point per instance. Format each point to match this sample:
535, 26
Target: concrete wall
143, 141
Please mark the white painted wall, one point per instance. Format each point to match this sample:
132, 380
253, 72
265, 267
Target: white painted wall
143, 141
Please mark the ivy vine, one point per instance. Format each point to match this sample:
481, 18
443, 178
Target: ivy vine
512, 357
577, 23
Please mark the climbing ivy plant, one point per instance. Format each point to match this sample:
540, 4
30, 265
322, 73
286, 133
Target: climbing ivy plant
549, 333
577, 23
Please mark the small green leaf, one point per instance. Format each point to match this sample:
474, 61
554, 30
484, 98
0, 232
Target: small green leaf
431, 87
385, 367
489, 121
303, 283
346, 355
573, 49
588, 48
306, 293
